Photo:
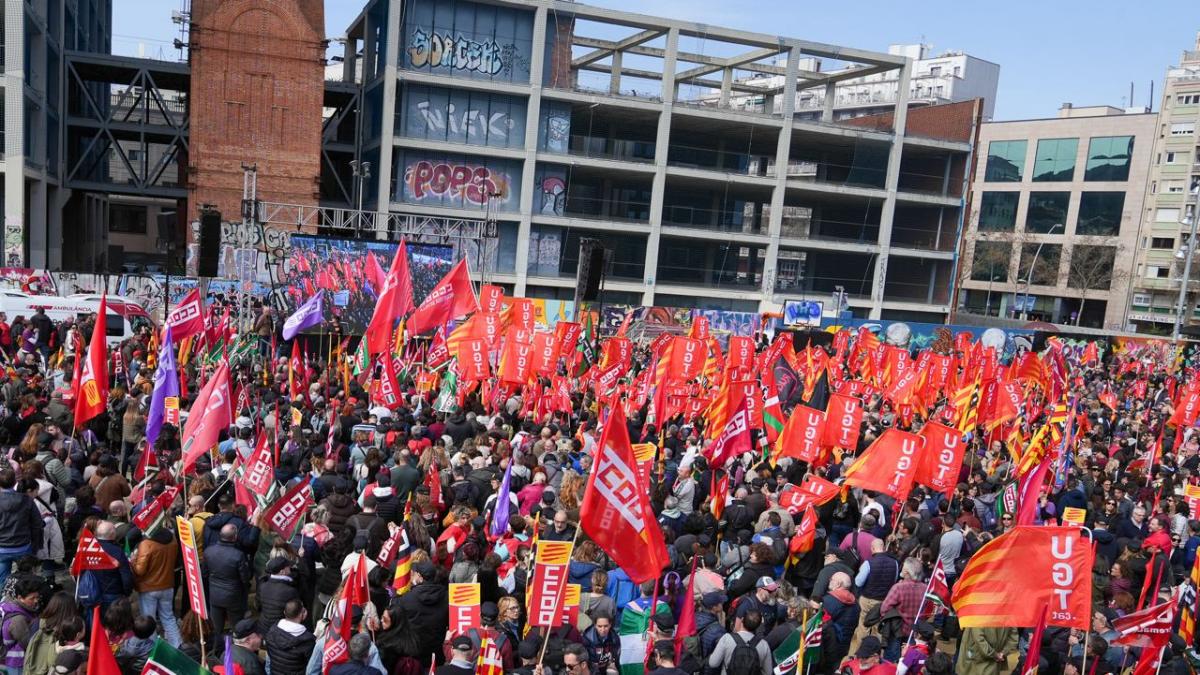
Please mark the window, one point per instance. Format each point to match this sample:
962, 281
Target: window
991, 260
935, 70
1108, 158
1141, 299
1173, 187
1046, 209
1187, 99
1166, 216
1183, 128
998, 211
1091, 267
1174, 157
1045, 271
126, 218
1006, 161
1157, 272
1055, 159
1162, 242
1100, 213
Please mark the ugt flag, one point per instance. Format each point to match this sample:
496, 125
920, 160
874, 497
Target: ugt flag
306, 316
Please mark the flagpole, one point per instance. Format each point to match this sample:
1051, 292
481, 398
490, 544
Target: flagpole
558, 600
920, 609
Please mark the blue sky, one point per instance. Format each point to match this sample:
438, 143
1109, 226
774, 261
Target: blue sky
1050, 52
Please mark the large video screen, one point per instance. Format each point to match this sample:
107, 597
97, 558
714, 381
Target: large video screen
351, 272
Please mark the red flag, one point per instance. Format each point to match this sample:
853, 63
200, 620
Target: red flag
260, 470
814, 492
147, 465
186, 318
374, 272
801, 436
1108, 398
889, 465
719, 489
1090, 354
210, 414
616, 511
687, 358
939, 586
1149, 628
395, 301
806, 534
473, 360
1189, 406
843, 419
1029, 488
386, 390
451, 298
294, 366
100, 659
90, 555
286, 512
1034, 655
734, 438
434, 483
91, 389
686, 626
545, 353
941, 459
741, 353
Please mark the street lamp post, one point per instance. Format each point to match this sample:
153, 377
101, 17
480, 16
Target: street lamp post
1187, 250
1029, 274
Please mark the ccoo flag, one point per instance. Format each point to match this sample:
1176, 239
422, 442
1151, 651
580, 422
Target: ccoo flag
1011, 577
166, 384
306, 316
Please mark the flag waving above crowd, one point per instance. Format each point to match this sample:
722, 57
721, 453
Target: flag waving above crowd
480, 484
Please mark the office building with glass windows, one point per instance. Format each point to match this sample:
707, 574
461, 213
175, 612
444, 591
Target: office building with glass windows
1056, 207
1170, 206
562, 121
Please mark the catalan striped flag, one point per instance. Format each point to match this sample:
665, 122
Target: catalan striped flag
1189, 604
966, 403
489, 658
1010, 579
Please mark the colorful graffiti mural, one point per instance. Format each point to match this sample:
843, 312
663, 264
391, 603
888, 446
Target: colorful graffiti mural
454, 52
456, 181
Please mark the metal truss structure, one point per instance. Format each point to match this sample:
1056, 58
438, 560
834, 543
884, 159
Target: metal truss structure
387, 226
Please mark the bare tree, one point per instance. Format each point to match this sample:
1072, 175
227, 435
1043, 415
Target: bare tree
1092, 267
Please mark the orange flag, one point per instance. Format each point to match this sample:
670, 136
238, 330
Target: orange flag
889, 465
1010, 579
91, 393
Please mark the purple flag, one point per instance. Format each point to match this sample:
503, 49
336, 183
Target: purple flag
227, 662
503, 506
166, 383
309, 314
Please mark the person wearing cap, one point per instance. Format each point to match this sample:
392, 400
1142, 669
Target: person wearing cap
489, 613
868, 659
275, 589
924, 644
428, 609
462, 658
527, 653
762, 600
247, 641
710, 623
664, 659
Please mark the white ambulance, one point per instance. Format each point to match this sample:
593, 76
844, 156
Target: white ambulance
124, 317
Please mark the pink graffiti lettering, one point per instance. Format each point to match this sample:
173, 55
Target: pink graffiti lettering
465, 181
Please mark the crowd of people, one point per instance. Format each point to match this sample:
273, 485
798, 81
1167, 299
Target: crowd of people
856, 595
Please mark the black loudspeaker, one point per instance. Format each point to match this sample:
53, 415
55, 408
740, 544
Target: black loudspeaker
591, 270
116, 259
210, 243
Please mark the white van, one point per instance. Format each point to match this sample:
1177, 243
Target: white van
124, 319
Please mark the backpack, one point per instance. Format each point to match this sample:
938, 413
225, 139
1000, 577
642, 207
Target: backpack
744, 658
87, 593
853, 557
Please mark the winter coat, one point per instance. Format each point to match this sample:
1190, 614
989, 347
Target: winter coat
228, 575
274, 591
289, 646
427, 606
247, 538
154, 564
749, 577
340, 508
114, 583
20, 522
979, 647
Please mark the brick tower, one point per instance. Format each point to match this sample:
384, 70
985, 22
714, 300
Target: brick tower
256, 91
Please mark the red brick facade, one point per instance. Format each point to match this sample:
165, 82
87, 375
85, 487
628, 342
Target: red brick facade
256, 89
947, 122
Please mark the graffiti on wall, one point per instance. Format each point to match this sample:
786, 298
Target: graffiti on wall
14, 240
556, 129
457, 182
471, 123
553, 193
455, 52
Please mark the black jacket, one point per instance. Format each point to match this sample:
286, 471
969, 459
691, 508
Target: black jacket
273, 594
376, 528
428, 609
248, 660
247, 539
340, 508
750, 576
228, 575
20, 522
353, 668
289, 653
459, 429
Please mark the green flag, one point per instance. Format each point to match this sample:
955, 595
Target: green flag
635, 621
788, 658
586, 352
1007, 503
361, 357
166, 660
